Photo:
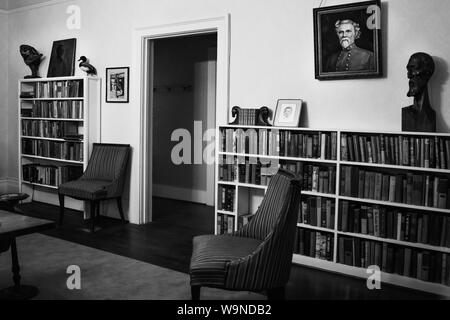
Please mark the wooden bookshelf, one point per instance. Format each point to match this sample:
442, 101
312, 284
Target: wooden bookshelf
59, 120
237, 169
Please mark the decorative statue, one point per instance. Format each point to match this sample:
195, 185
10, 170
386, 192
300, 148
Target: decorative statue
32, 59
87, 67
419, 117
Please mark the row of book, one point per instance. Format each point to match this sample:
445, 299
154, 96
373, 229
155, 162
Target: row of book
425, 152
426, 228
280, 143
49, 129
314, 244
50, 175
72, 151
318, 212
244, 173
413, 263
53, 89
315, 178
225, 224
226, 196
55, 109
411, 189
248, 117
320, 179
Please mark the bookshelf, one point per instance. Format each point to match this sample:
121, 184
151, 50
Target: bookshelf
59, 120
369, 198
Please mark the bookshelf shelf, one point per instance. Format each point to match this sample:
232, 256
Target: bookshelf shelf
50, 139
307, 226
52, 159
242, 185
390, 278
53, 119
401, 243
425, 175
53, 99
40, 185
243, 155
51, 112
384, 166
394, 204
317, 194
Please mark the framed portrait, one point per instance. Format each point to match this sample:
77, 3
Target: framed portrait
347, 41
288, 113
118, 85
62, 59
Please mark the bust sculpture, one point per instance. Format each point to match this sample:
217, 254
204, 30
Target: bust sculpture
32, 59
419, 117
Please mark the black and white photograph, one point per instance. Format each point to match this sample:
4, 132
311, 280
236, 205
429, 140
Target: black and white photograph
223, 159
288, 113
347, 41
118, 85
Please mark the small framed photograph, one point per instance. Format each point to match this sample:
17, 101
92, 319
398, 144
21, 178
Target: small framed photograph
288, 113
118, 85
347, 41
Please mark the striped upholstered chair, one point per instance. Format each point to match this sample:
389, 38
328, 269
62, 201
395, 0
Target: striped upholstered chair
258, 257
104, 179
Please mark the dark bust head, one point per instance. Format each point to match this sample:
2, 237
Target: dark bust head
420, 69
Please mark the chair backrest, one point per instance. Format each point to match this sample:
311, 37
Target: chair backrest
275, 223
276, 202
108, 162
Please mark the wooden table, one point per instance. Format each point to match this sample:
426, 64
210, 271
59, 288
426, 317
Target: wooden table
13, 226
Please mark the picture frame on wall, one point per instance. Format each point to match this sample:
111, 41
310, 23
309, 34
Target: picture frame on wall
118, 85
62, 59
347, 41
288, 113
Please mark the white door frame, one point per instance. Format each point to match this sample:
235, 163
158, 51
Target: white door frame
141, 80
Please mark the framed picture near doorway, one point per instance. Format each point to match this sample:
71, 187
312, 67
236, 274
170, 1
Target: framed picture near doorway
118, 85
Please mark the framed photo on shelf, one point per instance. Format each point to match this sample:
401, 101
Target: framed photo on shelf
288, 113
62, 59
347, 41
118, 85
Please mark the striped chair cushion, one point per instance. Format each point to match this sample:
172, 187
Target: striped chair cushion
85, 189
212, 254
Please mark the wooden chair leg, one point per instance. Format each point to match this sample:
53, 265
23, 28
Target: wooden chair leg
276, 294
195, 293
61, 209
93, 210
119, 205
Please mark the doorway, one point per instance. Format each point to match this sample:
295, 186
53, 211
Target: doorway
141, 93
184, 112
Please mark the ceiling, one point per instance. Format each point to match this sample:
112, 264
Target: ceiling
16, 4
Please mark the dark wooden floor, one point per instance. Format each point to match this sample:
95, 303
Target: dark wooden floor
167, 242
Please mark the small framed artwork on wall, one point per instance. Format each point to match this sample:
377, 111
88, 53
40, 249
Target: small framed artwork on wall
288, 113
347, 41
118, 85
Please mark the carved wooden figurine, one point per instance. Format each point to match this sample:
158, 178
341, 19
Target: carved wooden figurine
32, 59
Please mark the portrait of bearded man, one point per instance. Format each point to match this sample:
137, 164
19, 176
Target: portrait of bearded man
350, 57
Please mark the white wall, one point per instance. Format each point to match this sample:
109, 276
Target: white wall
3, 102
3, 4
272, 57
